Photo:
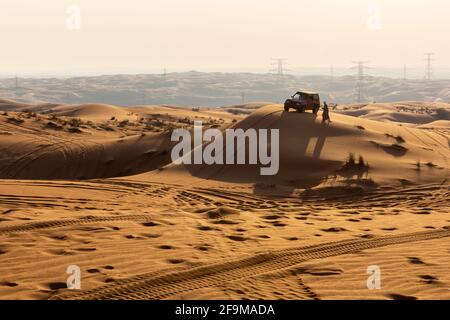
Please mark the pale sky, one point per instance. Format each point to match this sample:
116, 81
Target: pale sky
144, 35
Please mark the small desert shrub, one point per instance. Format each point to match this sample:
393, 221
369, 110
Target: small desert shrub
75, 122
361, 162
123, 123
361, 128
53, 126
30, 114
15, 120
430, 164
350, 160
351, 164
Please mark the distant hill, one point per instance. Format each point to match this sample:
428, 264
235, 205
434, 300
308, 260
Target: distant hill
215, 89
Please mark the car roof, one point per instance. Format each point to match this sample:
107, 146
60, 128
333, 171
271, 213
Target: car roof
307, 93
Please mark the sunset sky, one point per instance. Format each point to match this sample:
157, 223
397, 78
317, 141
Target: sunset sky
146, 35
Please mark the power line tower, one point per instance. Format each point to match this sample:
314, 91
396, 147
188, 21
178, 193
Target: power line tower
16, 89
429, 59
279, 64
361, 67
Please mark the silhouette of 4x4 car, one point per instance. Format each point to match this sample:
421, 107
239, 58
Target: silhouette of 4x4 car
302, 101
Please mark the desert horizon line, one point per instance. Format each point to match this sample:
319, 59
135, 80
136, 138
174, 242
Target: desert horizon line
418, 73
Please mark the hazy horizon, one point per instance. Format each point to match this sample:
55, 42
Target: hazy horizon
413, 73
215, 36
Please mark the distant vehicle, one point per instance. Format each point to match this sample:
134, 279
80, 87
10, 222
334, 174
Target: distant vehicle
302, 101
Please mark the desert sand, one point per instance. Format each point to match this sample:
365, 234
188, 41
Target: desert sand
93, 185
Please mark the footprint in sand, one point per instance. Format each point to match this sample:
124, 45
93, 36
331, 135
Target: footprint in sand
166, 247
395, 296
334, 229
59, 237
422, 212
56, 285
225, 221
59, 252
203, 247
204, 228
86, 249
272, 217
236, 238
221, 212
415, 260
389, 229
151, 235
429, 279
150, 224
176, 261
279, 224
132, 236
8, 284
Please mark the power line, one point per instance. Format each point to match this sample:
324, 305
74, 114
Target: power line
429, 59
279, 64
16, 91
361, 67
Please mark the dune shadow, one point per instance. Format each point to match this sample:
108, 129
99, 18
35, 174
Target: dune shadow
301, 142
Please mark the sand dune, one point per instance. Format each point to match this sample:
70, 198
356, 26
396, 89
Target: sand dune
312, 153
91, 111
406, 112
56, 148
438, 124
140, 227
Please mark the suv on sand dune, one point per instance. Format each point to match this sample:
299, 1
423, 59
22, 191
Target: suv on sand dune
302, 101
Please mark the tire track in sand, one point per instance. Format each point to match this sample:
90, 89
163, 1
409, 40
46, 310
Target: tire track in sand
48, 224
151, 286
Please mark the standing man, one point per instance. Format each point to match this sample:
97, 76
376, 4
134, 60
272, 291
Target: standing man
326, 113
